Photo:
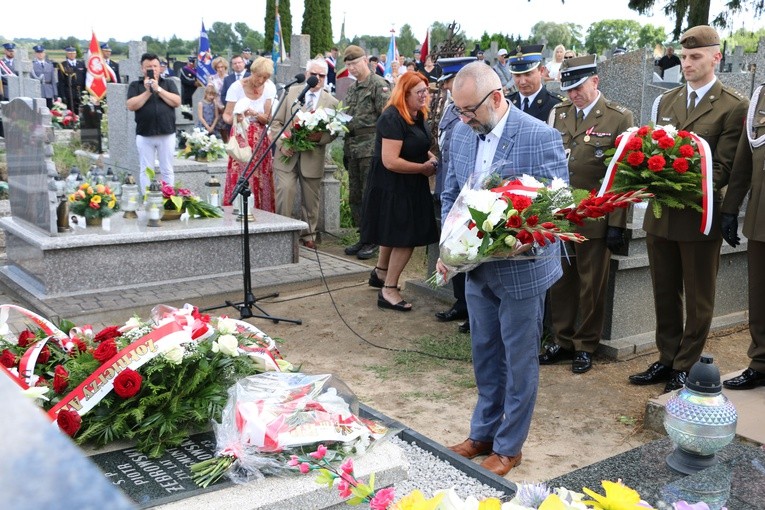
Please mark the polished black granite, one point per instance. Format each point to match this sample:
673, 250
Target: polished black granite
736, 482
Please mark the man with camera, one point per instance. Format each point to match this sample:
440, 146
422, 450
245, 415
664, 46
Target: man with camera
154, 100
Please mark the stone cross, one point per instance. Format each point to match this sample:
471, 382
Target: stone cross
300, 53
131, 68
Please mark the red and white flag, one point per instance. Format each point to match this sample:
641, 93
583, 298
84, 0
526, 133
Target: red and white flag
424, 48
95, 79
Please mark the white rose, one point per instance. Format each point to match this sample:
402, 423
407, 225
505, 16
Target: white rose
227, 344
226, 326
487, 226
174, 355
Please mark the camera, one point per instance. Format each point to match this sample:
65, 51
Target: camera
150, 74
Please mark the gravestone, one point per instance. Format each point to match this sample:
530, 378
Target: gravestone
737, 60
300, 53
23, 86
123, 154
673, 74
341, 87
30, 169
90, 128
131, 68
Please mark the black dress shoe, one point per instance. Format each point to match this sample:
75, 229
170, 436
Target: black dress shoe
553, 354
464, 327
452, 315
354, 248
676, 381
582, 362
749, 379
655, 373
367, 252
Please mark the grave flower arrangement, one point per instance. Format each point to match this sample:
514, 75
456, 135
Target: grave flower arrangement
502, 218
176, 198
152, 381
272, 418
675, 166
309, 126
202, 146
93, 201
62, 116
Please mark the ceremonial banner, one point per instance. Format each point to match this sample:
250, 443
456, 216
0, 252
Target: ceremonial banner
392, 53
278, 50
424, 48
204, 57
95, 79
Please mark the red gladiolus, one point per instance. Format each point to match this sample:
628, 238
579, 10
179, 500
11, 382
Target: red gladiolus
635, 158
666, 143
532, 220
68, 421
644, 130
683, 134
539, 238
514, 221
26, 337
635, 144
60, 379
127, 383
549, 225
524, 237
79, 346
656, 163
687, 151
680, 165
658, 134
107, 333
105, 351
44, 355
7, 359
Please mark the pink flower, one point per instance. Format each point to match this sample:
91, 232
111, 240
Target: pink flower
293, 461
345, 488
304, 467
347, 466
383, 498
320, 452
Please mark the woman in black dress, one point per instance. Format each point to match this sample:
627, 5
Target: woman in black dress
398, 211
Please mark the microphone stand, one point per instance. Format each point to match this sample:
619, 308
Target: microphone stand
242, 189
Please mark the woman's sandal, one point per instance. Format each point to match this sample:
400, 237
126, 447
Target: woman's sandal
401, 306
376, 281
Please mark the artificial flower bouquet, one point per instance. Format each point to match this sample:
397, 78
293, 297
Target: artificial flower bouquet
674, 166
520, 216
202, 146
272, 419
152, 381
62, 116
93, 201
309, 126
176, 198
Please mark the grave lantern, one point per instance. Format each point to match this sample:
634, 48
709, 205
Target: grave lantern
129, 200
213, 191
155, 204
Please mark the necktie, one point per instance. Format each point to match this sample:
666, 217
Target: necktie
692, 101
579, 118
482, 137
311, 100
525, 104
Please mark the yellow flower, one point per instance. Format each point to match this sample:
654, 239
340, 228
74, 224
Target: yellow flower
72, 198
112, 203
618, 497
95, 199
100, 188
84, 186
490, 504
415, 500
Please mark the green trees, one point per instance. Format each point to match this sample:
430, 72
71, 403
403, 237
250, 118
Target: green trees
286, 18
317, 22
553, 34
607, 34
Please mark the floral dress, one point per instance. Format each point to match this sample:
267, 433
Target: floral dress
262, 180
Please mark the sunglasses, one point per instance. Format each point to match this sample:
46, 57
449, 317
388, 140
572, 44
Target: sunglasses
469, 113
318, 74
568, 57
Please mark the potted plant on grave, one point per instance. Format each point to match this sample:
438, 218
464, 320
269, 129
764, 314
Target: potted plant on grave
202, 146
178, 200
93, 201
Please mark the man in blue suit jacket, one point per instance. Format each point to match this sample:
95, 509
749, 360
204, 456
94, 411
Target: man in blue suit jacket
238, 71
505, 298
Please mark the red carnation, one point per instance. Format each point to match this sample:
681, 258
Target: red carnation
539, 238
656, 163
26, 337
7, 359
687, 151
644, 130
127, 383
105, 351
107, 333
658, 134
634, 144
680, 165
683, 134
524, 237
666, 143
60, 379
68, 421
635, 158
532, 220
44, 355
520, 202
514, 221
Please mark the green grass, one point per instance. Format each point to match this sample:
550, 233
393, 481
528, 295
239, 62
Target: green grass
64, 158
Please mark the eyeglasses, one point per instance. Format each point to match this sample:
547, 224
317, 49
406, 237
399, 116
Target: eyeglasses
421, 93
318, 74
469, 113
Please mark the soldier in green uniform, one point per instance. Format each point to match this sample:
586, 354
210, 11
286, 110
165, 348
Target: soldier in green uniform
589, 125
365, 100
748, 174
532, 97
681, 258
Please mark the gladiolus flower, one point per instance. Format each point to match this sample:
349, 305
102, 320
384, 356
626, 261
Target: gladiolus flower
532, 220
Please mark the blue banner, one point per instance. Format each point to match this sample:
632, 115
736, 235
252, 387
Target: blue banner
392, 54
204, 57
277, 50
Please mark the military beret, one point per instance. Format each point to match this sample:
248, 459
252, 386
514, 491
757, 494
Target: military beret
9, 46
525, 58
700, 36
70, 49
353, 52
38, 49
105, 46
451, 66
575, 71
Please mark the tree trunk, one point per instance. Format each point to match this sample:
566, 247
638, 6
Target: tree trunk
698, 13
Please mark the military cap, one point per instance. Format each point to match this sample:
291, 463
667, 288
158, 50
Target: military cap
38, 49
451, 66
526, 58
619, 51
352, 52
575, 71
501, 52
70, 49
700, 36
192, 58
479, 52
105, 46
9, 46
246, 50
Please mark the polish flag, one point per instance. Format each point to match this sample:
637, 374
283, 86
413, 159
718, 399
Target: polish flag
424, 47
95, 79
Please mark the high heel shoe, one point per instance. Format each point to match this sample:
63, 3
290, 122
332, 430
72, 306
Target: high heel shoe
401, 306
376, 281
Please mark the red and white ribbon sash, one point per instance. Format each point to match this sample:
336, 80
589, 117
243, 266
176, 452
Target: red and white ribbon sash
517, 189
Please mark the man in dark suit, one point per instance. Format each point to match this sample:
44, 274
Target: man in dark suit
747, 174
682, 259
238, 72
589, 125
189, 80
71, 79
106, 51
504, 297
532, 97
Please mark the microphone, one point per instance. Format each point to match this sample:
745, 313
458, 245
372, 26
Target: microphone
299, 78
309, 84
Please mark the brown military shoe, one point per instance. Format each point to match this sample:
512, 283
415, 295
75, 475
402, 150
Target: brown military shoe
501, 464
470, 448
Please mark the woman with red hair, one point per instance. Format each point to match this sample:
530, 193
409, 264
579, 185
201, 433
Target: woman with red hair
398, 211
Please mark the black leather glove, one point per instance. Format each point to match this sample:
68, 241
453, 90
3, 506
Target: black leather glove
615, 238
729, 227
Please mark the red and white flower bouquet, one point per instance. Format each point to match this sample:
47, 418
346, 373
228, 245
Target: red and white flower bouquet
309, 126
